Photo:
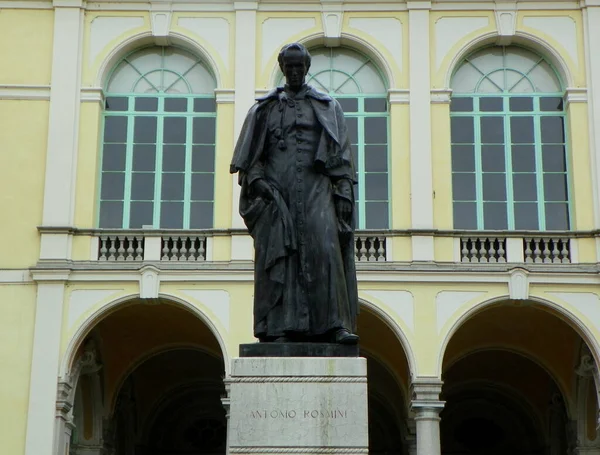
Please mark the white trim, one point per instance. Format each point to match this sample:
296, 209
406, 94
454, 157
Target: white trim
441, 95
24, 92
16, 276
576, 95
92, 94
26, 5
225, 95
398, 96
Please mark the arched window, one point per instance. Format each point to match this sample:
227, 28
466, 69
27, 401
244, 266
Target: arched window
509, 164
158, 153
356, 82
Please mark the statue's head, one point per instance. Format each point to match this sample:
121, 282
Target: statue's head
294, 61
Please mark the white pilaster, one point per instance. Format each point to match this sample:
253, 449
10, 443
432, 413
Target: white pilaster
421, 180
426, 408
63, 124
245, 80
41, 415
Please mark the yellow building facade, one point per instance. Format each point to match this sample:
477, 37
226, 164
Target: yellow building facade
126, 274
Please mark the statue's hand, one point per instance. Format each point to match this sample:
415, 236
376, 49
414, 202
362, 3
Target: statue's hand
261, 188
343, 207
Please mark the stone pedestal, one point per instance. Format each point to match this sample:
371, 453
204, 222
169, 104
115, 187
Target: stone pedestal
299, 405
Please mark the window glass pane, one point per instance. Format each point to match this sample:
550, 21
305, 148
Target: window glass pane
494, 187
462, 130
492, 130
203, 187
115, 129
172, 187
461, 104
552, 130
375, 105
521, 104
113, 157
203, 158
113, 185
376, 187
144, 157
349, 104
491, 104
376, 130
144, 130
116, 103
140, 214
492, 158
557, 217
142, 186
174, 130
553, 158
465, 215
551, 104
463, 158
376, 158
523, 158
524, 187
376, 215
173, 158
555, 187
176, 104
463, 187
204, 130
201, 215
494, 215
205, 105
352, 125
143, 104
521, 130
526, 216
171, 215
111, 214
545, 78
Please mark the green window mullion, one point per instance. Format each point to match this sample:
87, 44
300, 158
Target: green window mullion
539, 168
187, 185
160, 117
128, 163
510, 196
362, 206
478, 165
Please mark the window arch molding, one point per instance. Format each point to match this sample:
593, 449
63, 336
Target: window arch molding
521, 39
348, 41
145, 39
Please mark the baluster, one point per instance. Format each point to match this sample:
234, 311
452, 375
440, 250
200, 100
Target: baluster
165, 249
112, 250
537, 252
528, 251
555, 251
183, 251
483, 254
492, 250
192, 251
103, 249
372, 249
547, 259
139, 251
473, 257
381, 256
464, 251
565, 251
175, 249
501, 251
363, 249
130, 248
356, 241
202, 249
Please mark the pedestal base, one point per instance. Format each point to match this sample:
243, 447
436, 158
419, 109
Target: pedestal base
298, 350
298, 405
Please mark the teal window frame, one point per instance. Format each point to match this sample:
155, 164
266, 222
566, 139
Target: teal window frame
543, 204
190, 171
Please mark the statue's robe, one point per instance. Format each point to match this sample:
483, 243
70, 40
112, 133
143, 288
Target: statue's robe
305, 277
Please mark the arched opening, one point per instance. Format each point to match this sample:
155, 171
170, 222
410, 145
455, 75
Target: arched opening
509, 380
158, 387
388, 379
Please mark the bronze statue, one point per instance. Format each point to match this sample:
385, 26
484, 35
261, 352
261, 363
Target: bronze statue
297, 200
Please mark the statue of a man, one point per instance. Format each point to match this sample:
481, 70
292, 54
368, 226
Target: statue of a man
297, 200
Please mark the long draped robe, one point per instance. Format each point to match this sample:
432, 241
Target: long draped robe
305, 278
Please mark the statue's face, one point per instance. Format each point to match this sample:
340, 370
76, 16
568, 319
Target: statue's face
294, 68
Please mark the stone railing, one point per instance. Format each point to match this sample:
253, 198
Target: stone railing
370, 247
183, 248
121, 247
482, 249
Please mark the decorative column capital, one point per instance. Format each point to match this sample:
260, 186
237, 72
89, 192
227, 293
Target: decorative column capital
426, 403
